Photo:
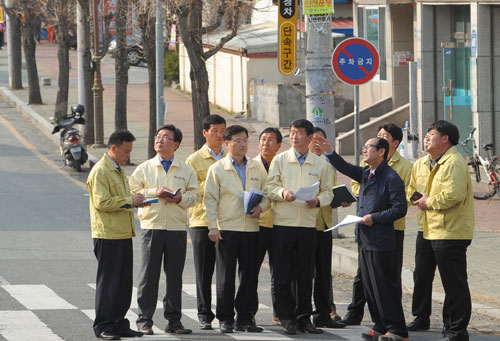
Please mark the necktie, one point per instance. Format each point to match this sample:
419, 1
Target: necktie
370, 175
119, 168
166, 165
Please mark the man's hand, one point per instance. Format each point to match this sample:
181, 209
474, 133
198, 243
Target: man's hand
256, 211
367, 220
345, 204
137, 200
312, 203
214, 235
175, 199
325, 145
422, 202
288, 195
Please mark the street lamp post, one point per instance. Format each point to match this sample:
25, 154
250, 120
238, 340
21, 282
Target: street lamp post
97, 88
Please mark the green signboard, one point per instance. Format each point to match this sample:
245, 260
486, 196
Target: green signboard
315, 7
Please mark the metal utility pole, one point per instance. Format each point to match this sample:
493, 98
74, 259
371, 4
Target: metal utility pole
80, 43
97, 88
159, 64
319, 75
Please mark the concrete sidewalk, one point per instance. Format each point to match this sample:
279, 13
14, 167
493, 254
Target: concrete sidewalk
483, 254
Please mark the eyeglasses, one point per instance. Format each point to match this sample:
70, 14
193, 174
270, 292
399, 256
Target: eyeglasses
164, 137
366, 146
240, 141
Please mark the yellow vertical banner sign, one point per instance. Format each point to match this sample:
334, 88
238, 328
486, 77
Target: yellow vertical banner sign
287, 36
1, 13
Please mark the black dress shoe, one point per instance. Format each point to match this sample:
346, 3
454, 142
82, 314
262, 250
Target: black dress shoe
146, 330
177, 328
351, 320
109, 336
290, 329
226, 328
250, 328
205, 325
329, 323
418, 324
131, 333
309, 328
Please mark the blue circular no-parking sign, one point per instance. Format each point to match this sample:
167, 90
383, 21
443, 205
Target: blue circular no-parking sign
355, 61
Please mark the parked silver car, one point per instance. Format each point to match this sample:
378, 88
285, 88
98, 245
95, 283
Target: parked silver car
135, 50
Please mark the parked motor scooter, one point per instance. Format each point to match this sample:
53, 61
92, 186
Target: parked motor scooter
70, 142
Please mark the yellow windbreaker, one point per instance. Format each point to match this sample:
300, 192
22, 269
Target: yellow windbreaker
285, 172
450, 203
266, 218
148, 177
200, 161
109, 192
325, 215
223, 199
403, 167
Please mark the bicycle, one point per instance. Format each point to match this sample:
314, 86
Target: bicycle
489, 165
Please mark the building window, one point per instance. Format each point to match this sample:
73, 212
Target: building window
371, 26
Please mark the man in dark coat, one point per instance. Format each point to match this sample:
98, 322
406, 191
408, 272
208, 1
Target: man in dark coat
382, 200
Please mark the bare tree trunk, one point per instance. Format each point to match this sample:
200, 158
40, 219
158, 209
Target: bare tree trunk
63, 59
29, 44
17, 55
88, 74
191, 22
121, 65
148, 40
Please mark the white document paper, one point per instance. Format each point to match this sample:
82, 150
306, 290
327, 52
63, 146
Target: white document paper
248, 196
348, 220
307, 193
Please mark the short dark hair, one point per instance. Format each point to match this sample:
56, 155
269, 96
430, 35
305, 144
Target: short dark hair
303, 123
177, 132
213, 119
382, 143
446, 128
276, 131
320, 130
118, 137
393, 130
233, 130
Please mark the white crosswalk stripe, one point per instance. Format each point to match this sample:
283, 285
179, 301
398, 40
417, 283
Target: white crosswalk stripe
348, 333
13, 326
37, 297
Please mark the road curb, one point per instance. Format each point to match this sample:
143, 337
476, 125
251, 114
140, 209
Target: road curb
41, 123
345, 261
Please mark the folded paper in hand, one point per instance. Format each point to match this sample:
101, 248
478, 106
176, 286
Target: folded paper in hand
251, 199
150, 201
171, 194
342, 194
349, 219
307, 193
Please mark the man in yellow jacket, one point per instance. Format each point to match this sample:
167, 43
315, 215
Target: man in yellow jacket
442, 178
163, 228
394, 135
269, 143
112, 224
294, 230
235, 231
203, 248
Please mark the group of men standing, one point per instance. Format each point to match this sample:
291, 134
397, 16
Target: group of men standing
211, 183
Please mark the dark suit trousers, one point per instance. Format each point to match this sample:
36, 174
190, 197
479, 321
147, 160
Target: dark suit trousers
236, 249
204, 265
382, 291
113, 284
265, 245
158, 246
423, 275
323, 295
294, 253
451, 260
357, 305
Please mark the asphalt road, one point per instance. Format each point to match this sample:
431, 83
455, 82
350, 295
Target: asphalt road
47, 268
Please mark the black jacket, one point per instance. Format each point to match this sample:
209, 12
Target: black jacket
383, 196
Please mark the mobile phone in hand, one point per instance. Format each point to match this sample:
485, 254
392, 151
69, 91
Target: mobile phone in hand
415, 196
